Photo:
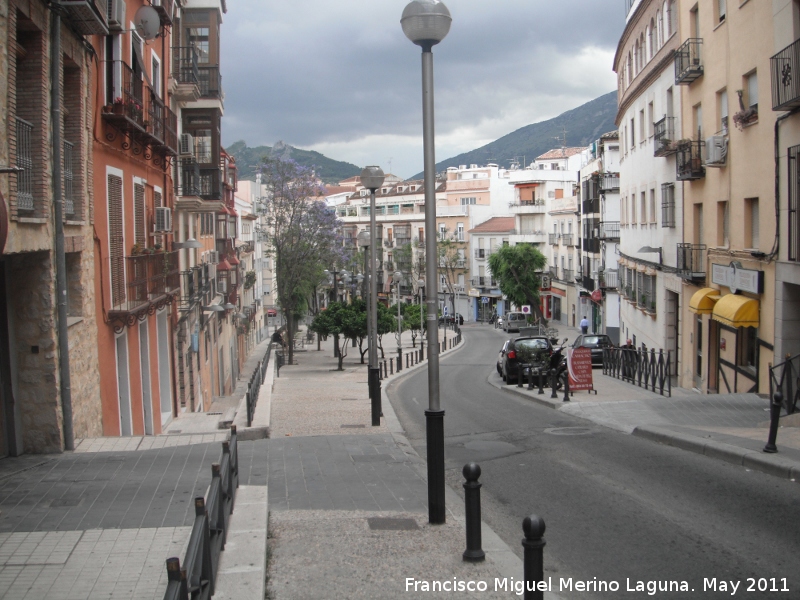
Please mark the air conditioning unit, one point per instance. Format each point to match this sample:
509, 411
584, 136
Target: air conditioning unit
212, 271
222, 286
213, 257
716, 151
163, 219
116, 15
186, 145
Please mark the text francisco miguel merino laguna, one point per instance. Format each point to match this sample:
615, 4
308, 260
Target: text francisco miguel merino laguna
565, 584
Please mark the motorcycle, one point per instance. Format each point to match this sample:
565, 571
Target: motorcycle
558, 361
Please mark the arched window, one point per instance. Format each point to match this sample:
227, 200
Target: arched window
651, 43
630, 68
637, 52
672, 17
660, 25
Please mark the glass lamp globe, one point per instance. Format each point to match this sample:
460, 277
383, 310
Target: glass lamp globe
426, 22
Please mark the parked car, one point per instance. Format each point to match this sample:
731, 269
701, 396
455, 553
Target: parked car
508, 361
451, 319
514, 320
596, 342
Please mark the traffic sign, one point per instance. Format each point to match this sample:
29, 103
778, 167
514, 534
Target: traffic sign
526, 309
446, 311
485, 300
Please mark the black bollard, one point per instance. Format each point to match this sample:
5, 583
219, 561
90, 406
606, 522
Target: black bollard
566, 387
533, 561
541, 381
391, 366
520, 371
554, 392
530, 379
774, 418
472, 511
421, 351
399, 359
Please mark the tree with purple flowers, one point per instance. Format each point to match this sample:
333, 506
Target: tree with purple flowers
305, 235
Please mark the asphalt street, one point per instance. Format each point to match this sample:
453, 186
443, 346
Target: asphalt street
617, 508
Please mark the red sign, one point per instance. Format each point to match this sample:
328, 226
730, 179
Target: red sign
597, 296
579, 367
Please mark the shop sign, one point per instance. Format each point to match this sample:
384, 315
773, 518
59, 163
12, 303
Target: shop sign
579, 367
597, 296
475, 292
736, 278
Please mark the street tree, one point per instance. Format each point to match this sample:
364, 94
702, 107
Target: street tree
515, 268
304, 234
340, 319
411, 321
452, 263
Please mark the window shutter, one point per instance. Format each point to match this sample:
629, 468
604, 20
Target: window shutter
138, 215
116, 242
157, 199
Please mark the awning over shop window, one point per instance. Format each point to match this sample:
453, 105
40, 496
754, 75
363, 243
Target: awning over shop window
736, 311
703, 301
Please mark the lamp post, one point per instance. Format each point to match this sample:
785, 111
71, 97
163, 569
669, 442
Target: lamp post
397, 277
372, 178
426, 23
332, 276
420, 287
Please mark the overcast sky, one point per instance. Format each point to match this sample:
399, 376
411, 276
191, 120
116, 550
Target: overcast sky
339, 76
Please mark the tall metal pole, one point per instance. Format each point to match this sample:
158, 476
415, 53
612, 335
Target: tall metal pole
373, 374
434, 416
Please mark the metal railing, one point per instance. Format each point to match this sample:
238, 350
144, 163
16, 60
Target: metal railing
69, 180
184, 65
568, 239
196, 577
608, 278
689, 163
668, 217
552, 239
785, 377
644, 368
210, 82
148, 277
254, 385
664, 137
688, 61
569, 275
608, 230
609, 181
25, 162
691, 261
785, 68
480, 253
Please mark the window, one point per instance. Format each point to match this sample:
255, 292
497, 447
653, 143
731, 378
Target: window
722, 103
650, 119
723, 224
633, 209
642, 130
652, 205
202, 146
139, 234
751, 82
633, 136
751, 223
747, 347
668, 205
721, 10
460, 232
698, 224
156, 75
198, 37
698, 120
466, 201
643, 207
442, 231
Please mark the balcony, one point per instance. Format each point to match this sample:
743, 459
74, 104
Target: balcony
785, 70
554, 273
591, 245
481, 253
568, 240
531, 236
552, 239
210, 184
164, 9
402, 241
664, 137
608, 279
689, 165
483, 281
195, 283
388, 243
185, 73
151, 280
69, 180
688, 61
528, 207
587, 283
691, 262
608, 230
609, 182
87, 17
210, 82
569, 275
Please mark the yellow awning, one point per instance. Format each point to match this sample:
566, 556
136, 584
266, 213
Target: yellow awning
736, 311
703, 301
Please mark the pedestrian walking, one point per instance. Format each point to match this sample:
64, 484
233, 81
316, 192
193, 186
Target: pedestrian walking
584, 325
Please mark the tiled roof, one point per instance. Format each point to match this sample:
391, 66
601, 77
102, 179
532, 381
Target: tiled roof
495, 225
559, 153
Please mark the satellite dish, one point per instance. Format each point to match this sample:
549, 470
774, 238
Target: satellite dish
147, 22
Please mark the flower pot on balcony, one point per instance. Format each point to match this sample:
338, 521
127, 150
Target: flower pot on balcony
118, 109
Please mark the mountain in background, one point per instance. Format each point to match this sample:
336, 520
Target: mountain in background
328, 170
583, 126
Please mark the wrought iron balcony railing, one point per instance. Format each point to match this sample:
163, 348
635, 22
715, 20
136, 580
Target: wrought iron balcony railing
25, 162
210, 82
608, 279
568, 240
609, 230
785, 71
88, 17
552, 239
69, 180
184, 65
480, 253
691, 262
689, 163
688, 61
609, 182
664, 137
150, 280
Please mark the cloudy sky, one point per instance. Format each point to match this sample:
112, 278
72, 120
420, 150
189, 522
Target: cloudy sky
339, 76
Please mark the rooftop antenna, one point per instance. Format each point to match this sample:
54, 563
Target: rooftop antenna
390, 164
563, 139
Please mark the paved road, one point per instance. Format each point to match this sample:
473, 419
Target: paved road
617, 507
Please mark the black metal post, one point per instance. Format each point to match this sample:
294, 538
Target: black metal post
566, 387
421, 351
533, 561
553, 393
374, 383
472, 512
541, 381
391, 366
399, 359
434, 421
520, 371
774, 419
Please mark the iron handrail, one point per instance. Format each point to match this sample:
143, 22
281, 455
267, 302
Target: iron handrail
640, 367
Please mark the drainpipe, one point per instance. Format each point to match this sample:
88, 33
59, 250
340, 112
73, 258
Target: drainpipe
61, 264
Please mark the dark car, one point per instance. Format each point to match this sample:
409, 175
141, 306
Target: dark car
451, 319
596, 342
540, 348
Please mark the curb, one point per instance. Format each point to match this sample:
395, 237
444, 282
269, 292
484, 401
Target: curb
770, 464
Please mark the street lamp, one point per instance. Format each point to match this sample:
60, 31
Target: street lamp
397, 277
426, 23
420, 287
372, 178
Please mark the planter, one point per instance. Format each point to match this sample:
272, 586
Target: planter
118, 109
